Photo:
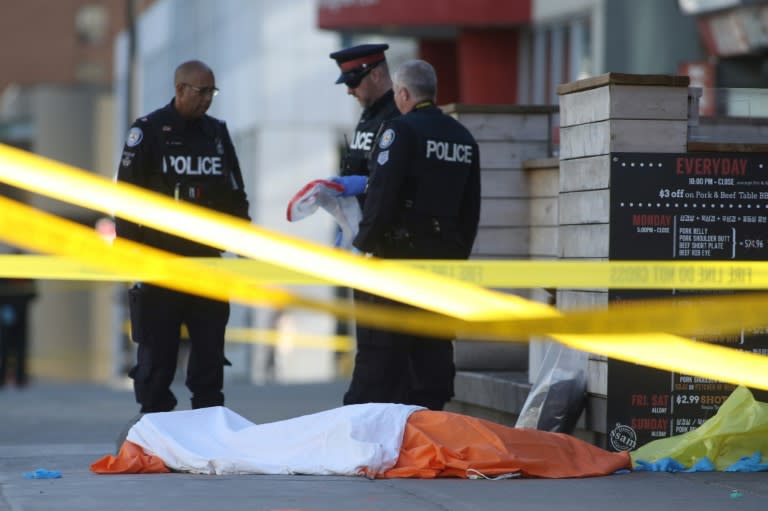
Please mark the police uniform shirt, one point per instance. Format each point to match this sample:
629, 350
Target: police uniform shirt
356, 161
425, 185
189, 160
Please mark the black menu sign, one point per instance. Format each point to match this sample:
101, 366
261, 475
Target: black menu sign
691, 206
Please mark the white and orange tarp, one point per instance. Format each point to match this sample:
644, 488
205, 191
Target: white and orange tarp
378, 440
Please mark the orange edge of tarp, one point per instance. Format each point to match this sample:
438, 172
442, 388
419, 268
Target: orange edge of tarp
445, 444
131, 459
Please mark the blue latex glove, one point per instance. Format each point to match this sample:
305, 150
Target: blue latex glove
353, 185
662, 465
337, 241
749, 464
703, 465
42, 473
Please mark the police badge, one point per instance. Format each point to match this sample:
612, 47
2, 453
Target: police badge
383, 157
387, 138
134, 137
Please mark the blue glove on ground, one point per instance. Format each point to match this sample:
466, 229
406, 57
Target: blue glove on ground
671, 465
353, 185
42, 473
749, 464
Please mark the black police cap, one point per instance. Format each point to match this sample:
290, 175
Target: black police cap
357, 61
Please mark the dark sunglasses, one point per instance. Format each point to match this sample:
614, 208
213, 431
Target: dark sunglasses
354, 77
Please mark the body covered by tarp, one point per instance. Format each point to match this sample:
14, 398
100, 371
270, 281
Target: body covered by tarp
375, 440
350, 440
738, 431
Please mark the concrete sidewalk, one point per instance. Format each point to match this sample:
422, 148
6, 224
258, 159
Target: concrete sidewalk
65, 427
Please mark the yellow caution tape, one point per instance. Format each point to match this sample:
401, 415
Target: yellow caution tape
705, 317
729, 275
672, 353
481, 312
605, 274
700, 316
442, 295
38, 231
341, 343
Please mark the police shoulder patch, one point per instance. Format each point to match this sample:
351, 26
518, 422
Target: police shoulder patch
134, 137
383, 157
387, 138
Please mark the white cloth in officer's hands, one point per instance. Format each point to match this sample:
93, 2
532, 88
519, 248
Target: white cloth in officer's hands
326, 194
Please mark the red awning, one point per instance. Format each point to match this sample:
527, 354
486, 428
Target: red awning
366, 14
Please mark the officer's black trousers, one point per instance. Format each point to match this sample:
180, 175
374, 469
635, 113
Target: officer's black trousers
156, 318
398, 368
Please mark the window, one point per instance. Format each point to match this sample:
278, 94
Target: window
553, 54
91, 24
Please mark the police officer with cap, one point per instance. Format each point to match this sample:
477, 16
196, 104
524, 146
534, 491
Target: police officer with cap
423, 202
365, 72
181, 152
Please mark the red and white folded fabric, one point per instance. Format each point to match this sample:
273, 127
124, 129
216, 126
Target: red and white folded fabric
325, 194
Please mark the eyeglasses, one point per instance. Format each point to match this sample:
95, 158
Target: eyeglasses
203, 91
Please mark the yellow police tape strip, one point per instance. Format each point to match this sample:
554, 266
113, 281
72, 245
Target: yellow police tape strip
38, 231
35, 230
709, 275
277, 338
189, 278
700, 316
442, 295
665, 351
74, 175
605, 274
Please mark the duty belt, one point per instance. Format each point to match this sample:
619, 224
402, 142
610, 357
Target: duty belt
429, 226
201, 193
187, 192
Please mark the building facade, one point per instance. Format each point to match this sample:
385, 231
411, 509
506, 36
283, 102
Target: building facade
56, 100
518, 52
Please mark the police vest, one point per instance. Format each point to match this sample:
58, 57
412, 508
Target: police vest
358, 156
443, 156
195, 169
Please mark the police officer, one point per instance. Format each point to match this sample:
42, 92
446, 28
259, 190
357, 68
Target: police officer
423, 201
365, 72
16, 294
180, 152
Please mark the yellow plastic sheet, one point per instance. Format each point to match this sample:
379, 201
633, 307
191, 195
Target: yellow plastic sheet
737, 430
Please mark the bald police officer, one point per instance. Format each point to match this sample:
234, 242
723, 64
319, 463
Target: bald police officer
423, 202
180, 152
